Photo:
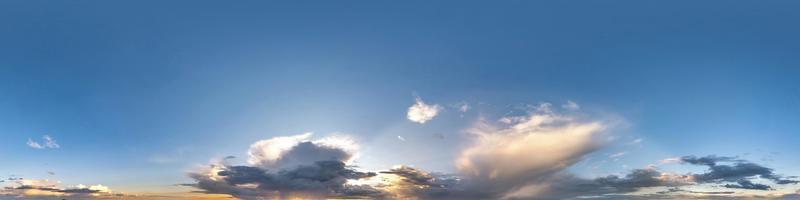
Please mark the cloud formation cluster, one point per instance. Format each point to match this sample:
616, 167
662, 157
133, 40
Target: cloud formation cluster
514, 157
734, 173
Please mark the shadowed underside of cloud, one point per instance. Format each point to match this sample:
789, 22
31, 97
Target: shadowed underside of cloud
737, 173
521, 157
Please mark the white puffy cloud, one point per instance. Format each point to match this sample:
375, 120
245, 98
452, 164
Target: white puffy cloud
292, 151
288, 167
47, 143
421, 112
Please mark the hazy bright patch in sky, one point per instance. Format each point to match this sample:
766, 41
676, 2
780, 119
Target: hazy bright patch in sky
399, 100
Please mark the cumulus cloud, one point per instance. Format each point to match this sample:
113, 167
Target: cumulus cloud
47, 143
421, 112
283, 167
292, 151
318, 180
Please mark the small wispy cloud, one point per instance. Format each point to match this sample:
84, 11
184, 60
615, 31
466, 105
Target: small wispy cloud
617, 155
47, 143
635, 141
421, 112
571, 106
670, 160
462, 106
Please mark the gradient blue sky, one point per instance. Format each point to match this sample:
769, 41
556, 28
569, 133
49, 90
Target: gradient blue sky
136, 93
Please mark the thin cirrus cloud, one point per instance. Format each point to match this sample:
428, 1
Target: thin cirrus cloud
47, 143
571, 105
514, 157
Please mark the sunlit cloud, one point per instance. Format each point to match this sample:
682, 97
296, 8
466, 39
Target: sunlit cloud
42, 188
421, 112
514, 157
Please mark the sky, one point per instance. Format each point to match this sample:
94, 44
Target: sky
399, 100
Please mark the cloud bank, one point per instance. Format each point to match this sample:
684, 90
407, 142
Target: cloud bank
43, 188
514, 157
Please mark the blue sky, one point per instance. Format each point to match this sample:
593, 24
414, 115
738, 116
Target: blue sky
137, 93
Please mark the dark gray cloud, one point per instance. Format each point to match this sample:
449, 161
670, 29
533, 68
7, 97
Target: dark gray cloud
737, 170
736, 173
53, 188
323, 178
639, 178
413, 176
308, 152
710, 160
747, 184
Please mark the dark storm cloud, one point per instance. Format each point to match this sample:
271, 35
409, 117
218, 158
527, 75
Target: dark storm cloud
710, 160
746, 184
412, 176
736, 173
738, 170
324, 178
639, 178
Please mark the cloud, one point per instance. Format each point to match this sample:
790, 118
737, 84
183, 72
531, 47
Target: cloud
292, 151
635, 141
461, 106
640, 178
48, 143
617, 155
571, 106
515, 157
670, 160
285, 167
740, 171
738, 174
320, 179
747, 184
32, 188
421, 112
504, 153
